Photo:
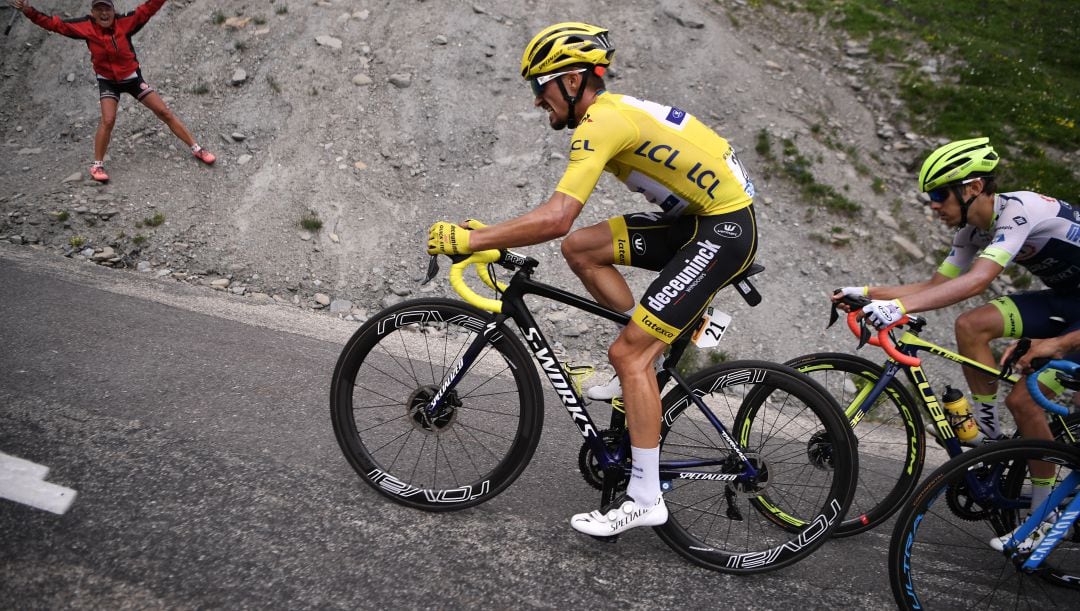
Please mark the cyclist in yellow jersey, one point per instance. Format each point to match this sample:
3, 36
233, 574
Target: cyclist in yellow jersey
702, 235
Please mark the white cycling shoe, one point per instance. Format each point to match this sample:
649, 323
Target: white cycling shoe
1033, 540
625, 513
605, 392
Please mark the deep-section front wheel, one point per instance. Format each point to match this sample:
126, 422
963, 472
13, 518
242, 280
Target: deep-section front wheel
474, 444
940, 555
792, 433
892, 446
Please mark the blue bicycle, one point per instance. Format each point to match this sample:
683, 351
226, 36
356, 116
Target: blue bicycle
942, 554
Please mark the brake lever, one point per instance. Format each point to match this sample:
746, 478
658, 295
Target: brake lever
851, 301
432, 269
1022, 347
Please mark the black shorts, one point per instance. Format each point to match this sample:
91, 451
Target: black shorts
135, 87
695, 255
1039, 315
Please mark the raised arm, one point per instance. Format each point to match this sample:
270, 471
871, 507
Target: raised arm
52, 23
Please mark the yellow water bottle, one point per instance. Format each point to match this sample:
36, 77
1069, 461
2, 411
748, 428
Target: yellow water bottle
958, 411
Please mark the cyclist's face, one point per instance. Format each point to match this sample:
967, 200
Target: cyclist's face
551, 100
948, 209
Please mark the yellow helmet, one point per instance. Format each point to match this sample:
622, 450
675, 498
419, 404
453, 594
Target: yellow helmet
566, 44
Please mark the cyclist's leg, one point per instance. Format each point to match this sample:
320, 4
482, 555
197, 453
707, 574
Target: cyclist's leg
643, 240
974, 331
703, 264
589, 254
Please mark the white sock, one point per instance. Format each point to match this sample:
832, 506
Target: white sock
644, 475
195, 148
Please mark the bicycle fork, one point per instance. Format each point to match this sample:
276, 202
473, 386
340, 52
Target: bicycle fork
454, 375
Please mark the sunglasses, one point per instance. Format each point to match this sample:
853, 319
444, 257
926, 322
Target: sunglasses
538, 83
940, 194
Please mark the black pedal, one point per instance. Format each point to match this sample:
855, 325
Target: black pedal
611, 539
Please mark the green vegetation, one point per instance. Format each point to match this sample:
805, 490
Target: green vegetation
217, 17
200, 88
61, 216
138, 240
154, 221
796, 167
76, 241
1010, 70
311, 221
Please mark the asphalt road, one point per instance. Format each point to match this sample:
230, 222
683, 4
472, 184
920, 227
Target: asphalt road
194, 428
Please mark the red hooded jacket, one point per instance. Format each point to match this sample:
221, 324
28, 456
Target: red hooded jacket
111, 51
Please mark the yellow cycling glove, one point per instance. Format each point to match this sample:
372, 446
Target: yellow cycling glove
446, 238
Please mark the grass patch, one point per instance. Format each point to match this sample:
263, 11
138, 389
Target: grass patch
61, 216
1011, 72
77, 241
200, 88
311, 221
154, 221
217, 17
796, 167
281, 9
138, 240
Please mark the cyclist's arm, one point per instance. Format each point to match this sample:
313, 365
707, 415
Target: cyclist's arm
548, 221
976, 280
901, 290
1054, 348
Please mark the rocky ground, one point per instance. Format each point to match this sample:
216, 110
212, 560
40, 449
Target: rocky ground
378, 118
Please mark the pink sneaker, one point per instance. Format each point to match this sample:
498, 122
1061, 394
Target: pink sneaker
97, 172
204, 156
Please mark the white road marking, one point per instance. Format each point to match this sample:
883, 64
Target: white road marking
24, 482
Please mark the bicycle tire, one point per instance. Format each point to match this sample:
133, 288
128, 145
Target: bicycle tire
745, 536
459, 458
891, 439
939, 559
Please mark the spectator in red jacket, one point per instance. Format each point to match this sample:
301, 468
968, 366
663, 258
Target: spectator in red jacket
108, 36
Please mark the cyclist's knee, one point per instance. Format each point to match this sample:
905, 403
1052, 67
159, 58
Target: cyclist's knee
634, 350
976, 326
574, 250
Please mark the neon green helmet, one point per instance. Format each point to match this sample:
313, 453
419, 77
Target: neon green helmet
567, 44
957, 161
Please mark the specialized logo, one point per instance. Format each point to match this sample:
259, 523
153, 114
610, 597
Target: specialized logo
638, 241
687, 279
728, 230
1019, 220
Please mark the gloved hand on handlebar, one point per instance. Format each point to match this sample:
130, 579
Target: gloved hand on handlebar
850, 291
446, 238
884, 313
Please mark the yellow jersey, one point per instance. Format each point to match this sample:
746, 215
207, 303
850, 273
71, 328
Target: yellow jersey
660, 151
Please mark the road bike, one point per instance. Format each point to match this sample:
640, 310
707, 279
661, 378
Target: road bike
437, 405
940, 555
888, 419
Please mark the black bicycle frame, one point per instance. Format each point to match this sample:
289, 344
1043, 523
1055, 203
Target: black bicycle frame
610, 460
